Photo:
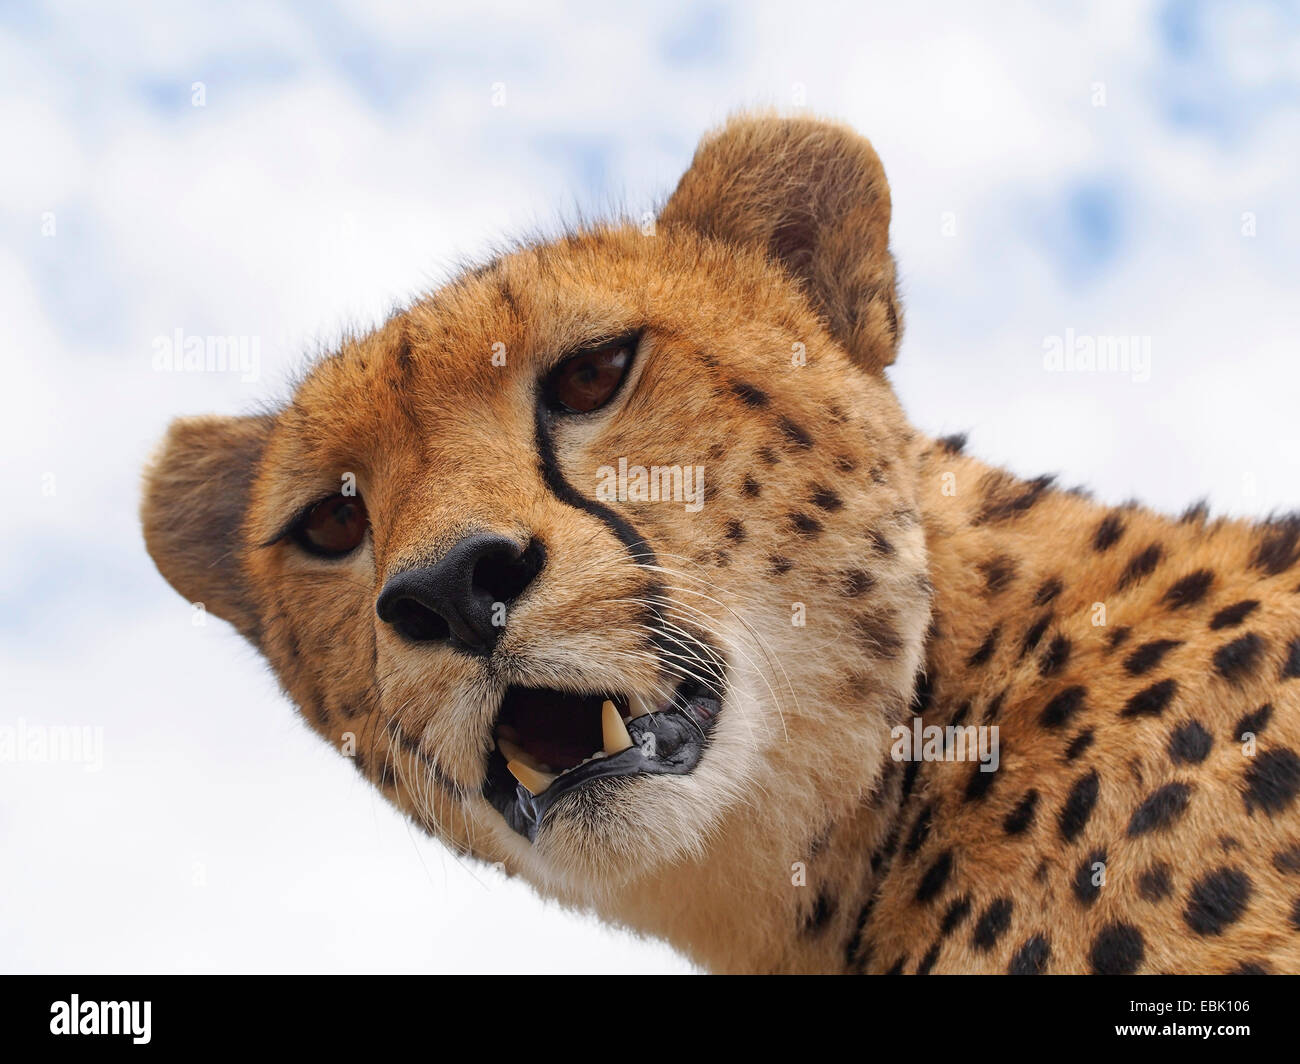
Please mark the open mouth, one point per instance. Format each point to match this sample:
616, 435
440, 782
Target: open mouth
548, 743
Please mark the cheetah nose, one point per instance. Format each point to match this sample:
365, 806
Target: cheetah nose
463, 599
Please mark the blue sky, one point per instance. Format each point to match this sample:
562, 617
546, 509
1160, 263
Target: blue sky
1118, 169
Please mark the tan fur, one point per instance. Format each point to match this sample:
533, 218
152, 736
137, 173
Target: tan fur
767, 305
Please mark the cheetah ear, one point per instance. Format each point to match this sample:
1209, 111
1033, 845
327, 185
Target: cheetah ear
195, 497
814, 195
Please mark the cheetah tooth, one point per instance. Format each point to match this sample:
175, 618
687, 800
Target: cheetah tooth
514, 752
536, 782
639, 705
613, 728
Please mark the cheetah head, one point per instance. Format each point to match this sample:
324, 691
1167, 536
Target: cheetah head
607, 552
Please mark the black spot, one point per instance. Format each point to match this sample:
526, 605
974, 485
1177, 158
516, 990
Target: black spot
1031, 958
845, 464
1279, 549
923, 696
1047, 592
954, 444
1063, 707
1216, 900
1118, 636
735, 531
1140, 566
897, 967
985, 650
859, 929
1035, 634
749, 394
1234, 660
1078, 745
992, 924
1195, 514
803, 525
793, 434
825, 499
1250, 968
822, 913
1079, 805
1021, 817
1153, 884
877, 636
1291, 667
910, 772
1294, 918
998, 573
927, 962
1003, 502
857, 582
779, 564
1287, 860
1055, 657
1231, 616
1150, 701
1149, 655
1189, 590
879, 544
919, 833
935, 877
957, 912
751, 487
1161, 808
1117, 950
768, 456
1189, 744
994, 707
979, 783
1086, 887
1253, 722
1272, 781
1108, 533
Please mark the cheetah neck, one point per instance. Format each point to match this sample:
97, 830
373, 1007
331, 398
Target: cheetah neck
1039, 597
798, 895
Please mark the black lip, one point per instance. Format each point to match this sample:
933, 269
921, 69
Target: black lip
668, 742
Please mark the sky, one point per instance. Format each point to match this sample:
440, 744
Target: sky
1062, 174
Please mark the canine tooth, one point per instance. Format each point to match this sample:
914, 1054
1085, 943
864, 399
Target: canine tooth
613, 728
515, 752
535, 781
639, 706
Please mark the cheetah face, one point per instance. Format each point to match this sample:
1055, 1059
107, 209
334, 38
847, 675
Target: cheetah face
570, 556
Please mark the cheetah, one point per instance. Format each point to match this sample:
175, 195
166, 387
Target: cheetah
615, 563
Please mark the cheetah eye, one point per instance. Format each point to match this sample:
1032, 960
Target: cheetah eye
333, 527
588, 380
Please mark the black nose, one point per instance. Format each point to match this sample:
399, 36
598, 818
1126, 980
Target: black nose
462, 600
